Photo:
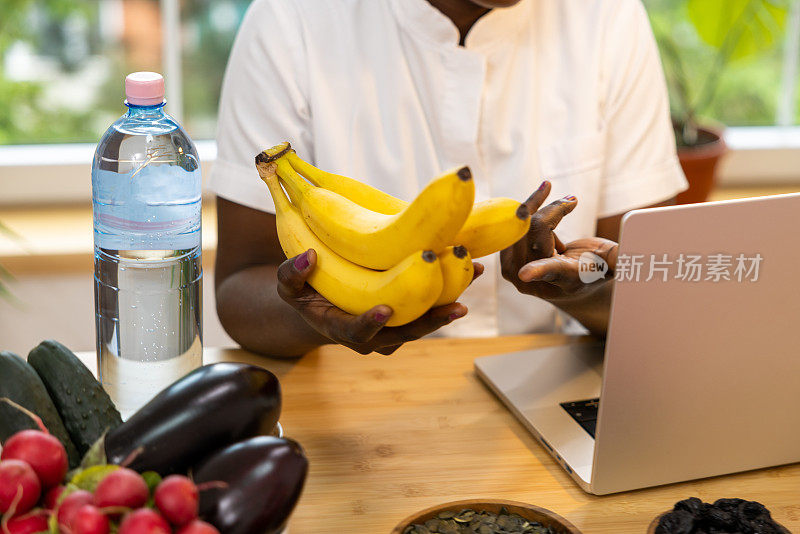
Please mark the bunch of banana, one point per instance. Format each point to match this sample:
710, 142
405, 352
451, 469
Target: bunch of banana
375, 249
492, 225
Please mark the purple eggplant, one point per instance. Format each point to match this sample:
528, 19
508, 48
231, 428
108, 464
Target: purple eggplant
263, 478
208, 409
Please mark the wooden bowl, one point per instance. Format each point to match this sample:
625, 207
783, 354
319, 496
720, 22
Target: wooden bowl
528, 511
652, 528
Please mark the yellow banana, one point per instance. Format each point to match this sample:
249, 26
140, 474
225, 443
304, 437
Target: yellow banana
457, 272
492, 225
409, 288
362, 194
376, 240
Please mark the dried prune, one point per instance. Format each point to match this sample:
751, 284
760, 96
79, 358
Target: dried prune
725, 516
729, 505
676, 522
721, 519
760, 526
693, 505
753, 510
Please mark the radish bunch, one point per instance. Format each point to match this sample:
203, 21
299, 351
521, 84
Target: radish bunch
121, 498
33, 465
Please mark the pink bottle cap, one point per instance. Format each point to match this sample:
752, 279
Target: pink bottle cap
144, 88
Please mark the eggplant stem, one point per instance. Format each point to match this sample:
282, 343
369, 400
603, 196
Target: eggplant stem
36, 418
131, 457
212, 484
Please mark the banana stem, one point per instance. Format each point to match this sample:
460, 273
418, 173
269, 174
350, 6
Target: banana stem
307, 170
295, 184
275, 189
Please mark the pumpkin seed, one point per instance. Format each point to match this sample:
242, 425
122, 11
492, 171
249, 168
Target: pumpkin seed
474, 522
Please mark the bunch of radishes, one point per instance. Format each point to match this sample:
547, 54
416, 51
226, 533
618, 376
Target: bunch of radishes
33, 465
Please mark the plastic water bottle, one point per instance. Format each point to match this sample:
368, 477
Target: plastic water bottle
146, 192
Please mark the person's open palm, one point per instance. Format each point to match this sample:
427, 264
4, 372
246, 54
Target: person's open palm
539, 264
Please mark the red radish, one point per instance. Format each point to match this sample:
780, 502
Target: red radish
123, 487
29, 523
65, 513
45, 454
20, 488
144, 521
89, 520
198, 527
177, 498
51, 497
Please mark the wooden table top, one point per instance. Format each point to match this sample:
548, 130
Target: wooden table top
388, 436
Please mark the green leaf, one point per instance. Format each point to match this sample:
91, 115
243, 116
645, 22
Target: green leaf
5, 275
5, 230
152, 479
96, 455
739, 28
88, 479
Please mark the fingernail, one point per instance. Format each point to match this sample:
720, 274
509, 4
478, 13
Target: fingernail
544, 184
456, 315
380, 318
301, 262
570, 198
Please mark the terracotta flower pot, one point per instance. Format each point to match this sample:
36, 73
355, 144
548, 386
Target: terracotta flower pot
699, 163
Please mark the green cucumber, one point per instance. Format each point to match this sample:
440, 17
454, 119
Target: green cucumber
84, 406
20, 383
12, 420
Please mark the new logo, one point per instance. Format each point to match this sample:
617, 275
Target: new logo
591, 268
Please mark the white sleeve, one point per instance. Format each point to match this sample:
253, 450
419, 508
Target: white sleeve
263, 101
641, 167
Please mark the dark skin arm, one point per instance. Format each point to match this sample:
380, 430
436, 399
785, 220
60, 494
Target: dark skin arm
540, 265
264, 303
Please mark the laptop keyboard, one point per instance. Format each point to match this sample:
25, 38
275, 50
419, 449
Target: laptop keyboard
584, 412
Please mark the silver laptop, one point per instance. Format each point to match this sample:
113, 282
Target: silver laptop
700, 373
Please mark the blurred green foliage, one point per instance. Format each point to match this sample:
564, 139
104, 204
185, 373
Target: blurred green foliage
29, 115
25, 116
213, 24
722, 58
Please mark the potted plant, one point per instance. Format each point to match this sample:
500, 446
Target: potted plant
731, 31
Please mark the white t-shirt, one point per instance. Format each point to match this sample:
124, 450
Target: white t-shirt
568, 90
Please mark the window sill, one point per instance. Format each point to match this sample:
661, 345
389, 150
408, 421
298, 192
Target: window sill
761, 155
49, 174
58, 239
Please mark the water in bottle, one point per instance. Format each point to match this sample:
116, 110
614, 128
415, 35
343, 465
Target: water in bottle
146, 191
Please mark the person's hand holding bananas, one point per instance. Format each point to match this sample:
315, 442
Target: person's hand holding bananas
363, 333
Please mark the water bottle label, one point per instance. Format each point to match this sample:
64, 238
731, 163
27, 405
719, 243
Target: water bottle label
131, 213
